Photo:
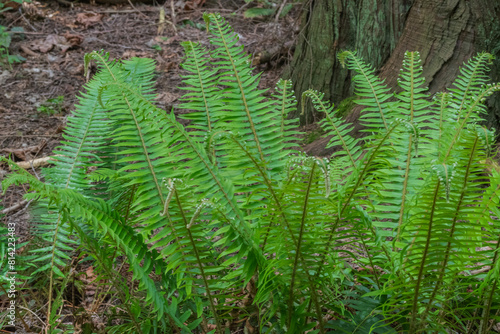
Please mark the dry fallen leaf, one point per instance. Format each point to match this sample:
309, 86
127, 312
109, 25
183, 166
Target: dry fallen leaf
61, 42
25, 153
130, 54
166, 97
88, 19
73, 39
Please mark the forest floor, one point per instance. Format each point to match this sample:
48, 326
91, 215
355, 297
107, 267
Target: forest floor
38, 94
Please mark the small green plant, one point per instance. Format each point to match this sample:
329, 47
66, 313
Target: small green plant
268, 8
4, 8
224, 222
345, 106
312, 136
7, 59
52, 106
156, 47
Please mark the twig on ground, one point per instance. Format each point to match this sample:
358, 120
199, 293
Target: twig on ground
95, 39
65, 3
26, 32
283, 3
33, 136
35, 163
26, 20
13, 208
24, 308
34, 171
28, 51
124, 11
138, 11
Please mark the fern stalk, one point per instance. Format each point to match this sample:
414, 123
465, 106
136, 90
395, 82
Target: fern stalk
451, 234
199, 262
358, 184
414, 308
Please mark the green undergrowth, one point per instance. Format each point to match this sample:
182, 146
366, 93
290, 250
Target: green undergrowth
223, 226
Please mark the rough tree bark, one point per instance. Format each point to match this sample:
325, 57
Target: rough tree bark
445, 32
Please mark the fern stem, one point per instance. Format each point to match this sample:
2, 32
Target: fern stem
297, 252
442, 107
487, 303
198, 260
414, 309
412, 85
130, 202
283, 105
405, 186
51, 276
264, 243
370, 258
447, 252
358, 183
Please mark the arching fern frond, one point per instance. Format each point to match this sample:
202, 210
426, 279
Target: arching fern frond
374, 93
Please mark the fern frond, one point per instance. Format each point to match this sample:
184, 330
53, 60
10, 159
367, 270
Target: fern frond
374, 93
350, 147
201, 84
101, 215
244, 104
443, 237
473, 76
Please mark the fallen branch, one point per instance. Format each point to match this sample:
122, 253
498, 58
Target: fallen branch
273, 53
35, 162
13, 208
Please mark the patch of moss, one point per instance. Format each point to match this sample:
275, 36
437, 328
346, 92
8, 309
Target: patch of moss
313, 135
345, 107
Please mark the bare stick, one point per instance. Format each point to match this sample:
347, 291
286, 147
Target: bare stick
279, 11
138, 11
13, 208
35, 163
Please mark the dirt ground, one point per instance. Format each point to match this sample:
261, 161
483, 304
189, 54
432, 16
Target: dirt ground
38, 94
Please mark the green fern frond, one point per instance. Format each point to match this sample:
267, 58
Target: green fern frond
244, 104
101, 215
201, 84
373, 93
350, 147
473, 76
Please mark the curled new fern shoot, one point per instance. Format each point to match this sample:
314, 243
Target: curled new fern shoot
225, 225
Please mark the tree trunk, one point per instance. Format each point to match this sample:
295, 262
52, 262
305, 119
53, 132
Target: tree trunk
445, 32
372, 27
